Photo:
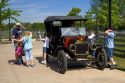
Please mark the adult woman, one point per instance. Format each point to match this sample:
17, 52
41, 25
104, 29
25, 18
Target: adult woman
45, 48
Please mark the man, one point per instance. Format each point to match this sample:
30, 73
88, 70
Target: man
109, 43
16, 32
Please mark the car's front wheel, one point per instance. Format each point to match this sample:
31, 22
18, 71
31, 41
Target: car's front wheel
62, 60
101, 58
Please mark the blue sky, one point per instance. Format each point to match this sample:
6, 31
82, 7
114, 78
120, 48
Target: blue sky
38, 10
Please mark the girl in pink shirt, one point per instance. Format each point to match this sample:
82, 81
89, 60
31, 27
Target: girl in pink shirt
18, 52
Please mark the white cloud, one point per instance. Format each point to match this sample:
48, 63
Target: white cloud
12, 1
39, 17
25, 6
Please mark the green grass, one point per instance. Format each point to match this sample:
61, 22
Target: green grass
120, 63
120, 43
120, 48
120, 37
120, 56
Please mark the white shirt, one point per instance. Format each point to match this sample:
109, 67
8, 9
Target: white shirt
46, 44
91, 36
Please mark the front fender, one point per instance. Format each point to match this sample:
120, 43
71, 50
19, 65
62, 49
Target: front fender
57, 49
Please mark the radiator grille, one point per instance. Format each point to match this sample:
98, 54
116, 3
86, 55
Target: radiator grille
81, 48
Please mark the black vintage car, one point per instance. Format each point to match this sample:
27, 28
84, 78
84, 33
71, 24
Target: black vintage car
69, 39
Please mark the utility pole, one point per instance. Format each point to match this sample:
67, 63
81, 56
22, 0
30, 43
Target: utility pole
9, 25
0, 19
110, 13
9, 30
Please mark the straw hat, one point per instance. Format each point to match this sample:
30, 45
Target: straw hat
18, 24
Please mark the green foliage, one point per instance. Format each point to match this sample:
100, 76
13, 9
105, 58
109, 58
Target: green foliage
6, 12
100, 10
38, 26
74, 12
34, 26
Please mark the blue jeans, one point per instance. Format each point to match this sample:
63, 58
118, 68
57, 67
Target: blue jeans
20, 60
93, 53
45, 50
109, 52
28, 54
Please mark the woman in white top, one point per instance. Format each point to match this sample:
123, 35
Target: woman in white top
45, 48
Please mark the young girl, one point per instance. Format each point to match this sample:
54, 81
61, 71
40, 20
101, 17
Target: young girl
19, 53
45, 48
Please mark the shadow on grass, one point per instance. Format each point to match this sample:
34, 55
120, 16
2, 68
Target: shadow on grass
121, 69
119, 55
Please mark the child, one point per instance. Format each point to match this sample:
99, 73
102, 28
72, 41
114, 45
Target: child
109, 43
45, 48
19, 53
16, 46
92, 42
27, 48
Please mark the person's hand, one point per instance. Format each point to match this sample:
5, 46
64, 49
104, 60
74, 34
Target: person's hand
107, 31
14, 39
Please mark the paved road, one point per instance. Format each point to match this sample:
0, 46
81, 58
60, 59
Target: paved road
11, 73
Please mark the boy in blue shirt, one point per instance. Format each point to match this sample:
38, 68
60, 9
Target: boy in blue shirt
109, 43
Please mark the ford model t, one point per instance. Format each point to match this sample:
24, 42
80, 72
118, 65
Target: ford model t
69, 40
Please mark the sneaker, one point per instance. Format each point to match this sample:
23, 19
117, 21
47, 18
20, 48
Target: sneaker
112, 67
43, 62
32, 65
27, 65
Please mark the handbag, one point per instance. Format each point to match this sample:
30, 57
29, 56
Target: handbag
23, 53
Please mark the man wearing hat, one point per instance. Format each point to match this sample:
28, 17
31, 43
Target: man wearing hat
16, 32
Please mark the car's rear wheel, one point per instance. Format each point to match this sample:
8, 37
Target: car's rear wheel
101, 59
62, 60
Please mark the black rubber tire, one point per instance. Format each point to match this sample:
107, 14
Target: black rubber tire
62, 60
101, 59
47, 58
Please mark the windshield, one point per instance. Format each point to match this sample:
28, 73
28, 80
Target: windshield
73, 31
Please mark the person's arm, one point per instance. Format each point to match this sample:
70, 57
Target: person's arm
91, 36
107, 31
13, 33
18, 40
111, 34
30, 34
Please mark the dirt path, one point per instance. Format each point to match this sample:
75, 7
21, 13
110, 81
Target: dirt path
11, 73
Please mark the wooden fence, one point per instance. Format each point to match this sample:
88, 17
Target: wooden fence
5, 34
119, 40
119, 49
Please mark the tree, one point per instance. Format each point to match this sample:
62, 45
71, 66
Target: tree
90, 23
6, 12
74, 12
101, 15
38, 26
